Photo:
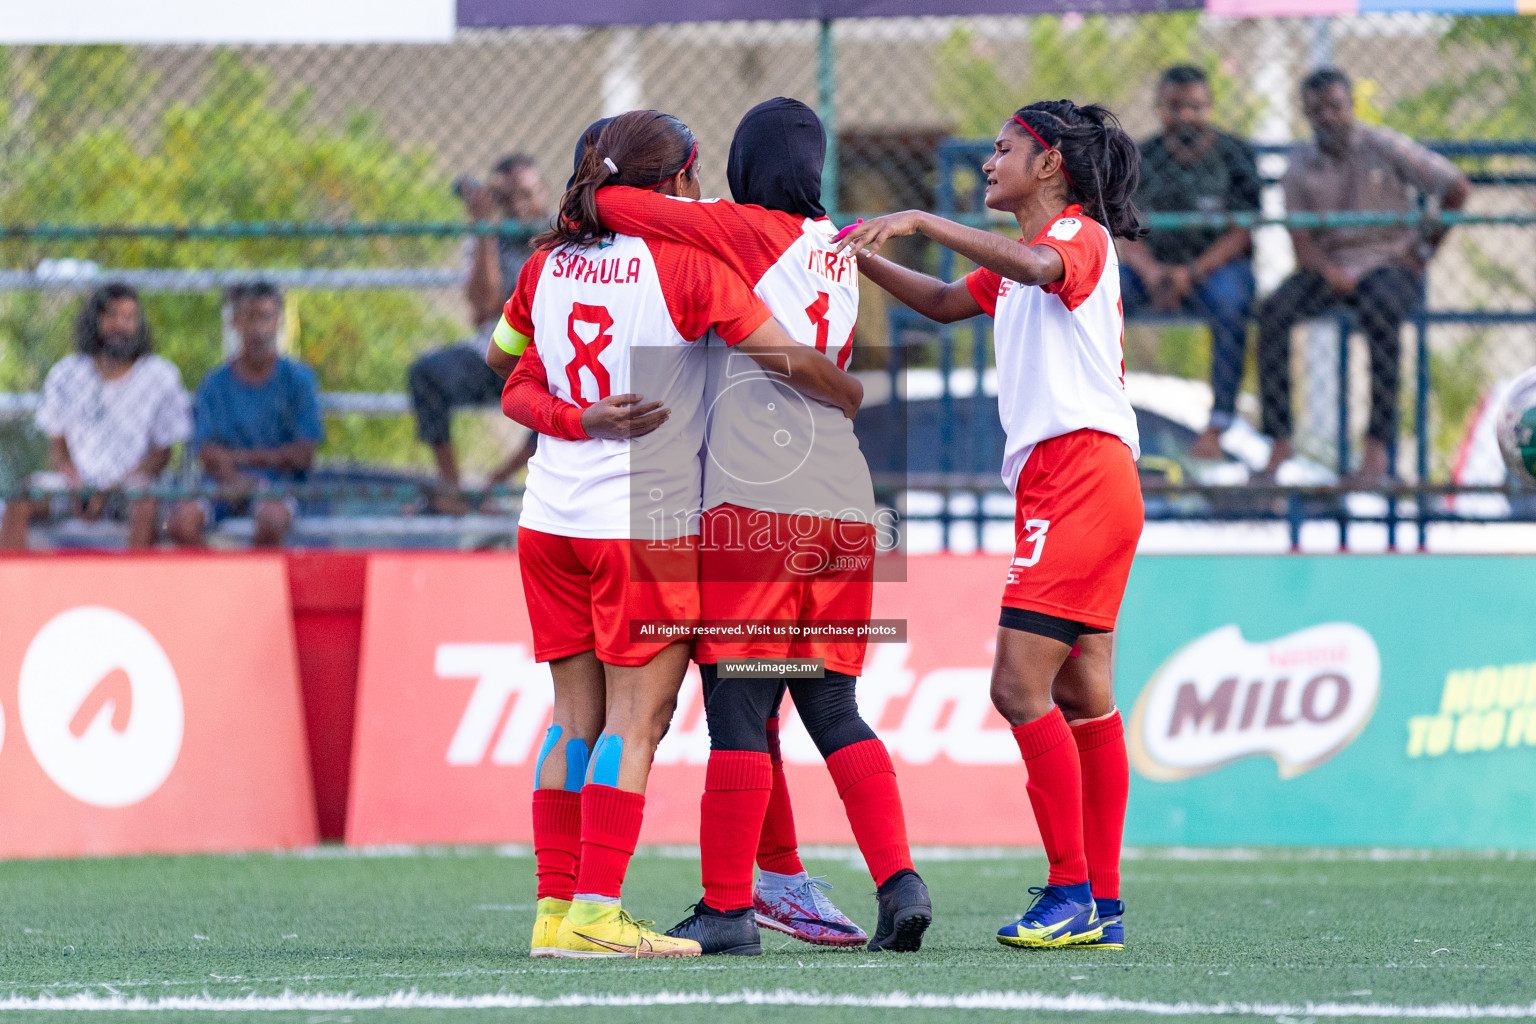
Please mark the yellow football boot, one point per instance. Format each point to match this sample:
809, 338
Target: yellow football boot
602, 930
547, 925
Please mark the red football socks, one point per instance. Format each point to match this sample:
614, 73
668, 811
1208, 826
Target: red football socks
778, 850
1106, 785
556, 841
1055, 790
610, 827
866, 781
737, 785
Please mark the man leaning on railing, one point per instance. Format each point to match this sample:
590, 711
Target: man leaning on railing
1375, 270
111, 412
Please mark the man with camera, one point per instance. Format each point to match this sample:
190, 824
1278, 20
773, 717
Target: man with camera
454, 376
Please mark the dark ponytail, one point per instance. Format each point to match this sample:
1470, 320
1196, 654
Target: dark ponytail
1100, 161
647, 147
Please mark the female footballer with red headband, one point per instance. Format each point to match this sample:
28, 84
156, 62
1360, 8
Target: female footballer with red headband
1068, 174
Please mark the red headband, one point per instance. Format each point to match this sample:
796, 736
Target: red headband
686, 164
1045, 145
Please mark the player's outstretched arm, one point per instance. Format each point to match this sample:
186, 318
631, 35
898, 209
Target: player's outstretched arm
803, 368
1026, 264
937, 300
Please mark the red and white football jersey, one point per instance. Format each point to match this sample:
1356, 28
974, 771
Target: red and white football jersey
1060, 347
615, 318
769, 447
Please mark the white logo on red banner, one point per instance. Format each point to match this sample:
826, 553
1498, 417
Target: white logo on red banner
100, 706
510, 688
947, 714
1299, 699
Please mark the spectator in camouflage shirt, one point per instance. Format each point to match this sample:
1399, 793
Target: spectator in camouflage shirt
1204, 272
1376, 270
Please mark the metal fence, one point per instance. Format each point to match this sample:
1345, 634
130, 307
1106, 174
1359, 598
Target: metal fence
331, 168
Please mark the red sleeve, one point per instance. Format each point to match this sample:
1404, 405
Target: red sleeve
983, 285
1083, 246
703, 293
519, 308
526, 398
749, 239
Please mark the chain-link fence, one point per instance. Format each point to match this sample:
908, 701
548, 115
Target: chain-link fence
331, 169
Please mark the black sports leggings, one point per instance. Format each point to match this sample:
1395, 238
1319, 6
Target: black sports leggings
737, 710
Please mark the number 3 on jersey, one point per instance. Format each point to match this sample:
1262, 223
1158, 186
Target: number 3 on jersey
588, 352
1034, 533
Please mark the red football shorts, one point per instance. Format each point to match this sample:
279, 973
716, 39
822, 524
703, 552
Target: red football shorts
1077, 520
583, 592
769, 569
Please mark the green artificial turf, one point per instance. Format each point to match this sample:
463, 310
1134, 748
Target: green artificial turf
1388, 930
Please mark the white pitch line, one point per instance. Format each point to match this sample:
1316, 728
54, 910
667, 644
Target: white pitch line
1038, 1001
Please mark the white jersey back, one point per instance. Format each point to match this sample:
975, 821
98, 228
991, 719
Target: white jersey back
768, 446
604, 328
1060, 349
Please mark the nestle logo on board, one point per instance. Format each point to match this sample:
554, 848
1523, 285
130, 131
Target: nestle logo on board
1299, 699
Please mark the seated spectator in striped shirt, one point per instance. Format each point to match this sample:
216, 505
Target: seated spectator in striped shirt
111, 412
257, 425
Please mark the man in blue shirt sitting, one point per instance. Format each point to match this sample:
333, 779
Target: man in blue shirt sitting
257, 422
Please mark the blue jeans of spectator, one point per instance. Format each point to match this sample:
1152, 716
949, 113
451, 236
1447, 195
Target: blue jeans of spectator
446, 379
1222, 300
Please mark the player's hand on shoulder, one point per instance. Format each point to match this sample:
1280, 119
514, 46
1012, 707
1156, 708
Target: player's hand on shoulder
623, 417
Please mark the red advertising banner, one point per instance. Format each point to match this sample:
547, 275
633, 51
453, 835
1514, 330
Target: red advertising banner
149, 705
452, 708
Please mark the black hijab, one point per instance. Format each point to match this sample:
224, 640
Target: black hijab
581, 148
776, 158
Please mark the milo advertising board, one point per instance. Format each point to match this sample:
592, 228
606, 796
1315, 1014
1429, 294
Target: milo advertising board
1333, 700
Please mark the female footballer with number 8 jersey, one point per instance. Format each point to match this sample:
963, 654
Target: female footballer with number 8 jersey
788, 535
1068, 174
607, 538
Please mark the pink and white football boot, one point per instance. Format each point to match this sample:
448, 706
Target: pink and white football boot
797, 905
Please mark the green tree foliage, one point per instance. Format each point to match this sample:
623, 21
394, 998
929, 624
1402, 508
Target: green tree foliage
90, 135
1084, 59
1489, 93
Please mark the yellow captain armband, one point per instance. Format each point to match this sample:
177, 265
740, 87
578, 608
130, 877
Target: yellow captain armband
509, 339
